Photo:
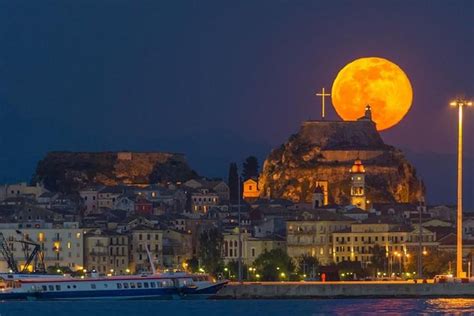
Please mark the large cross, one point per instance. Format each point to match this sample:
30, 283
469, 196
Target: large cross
323, 95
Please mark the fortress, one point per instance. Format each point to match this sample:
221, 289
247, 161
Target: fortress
68, 171
324, 151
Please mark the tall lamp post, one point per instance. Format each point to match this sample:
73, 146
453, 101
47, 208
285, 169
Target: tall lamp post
460, 104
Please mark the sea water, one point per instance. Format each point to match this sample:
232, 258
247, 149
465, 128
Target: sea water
241, 307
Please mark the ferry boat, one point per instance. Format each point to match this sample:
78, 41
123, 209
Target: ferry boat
154, 286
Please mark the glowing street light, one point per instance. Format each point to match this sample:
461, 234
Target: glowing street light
460, 104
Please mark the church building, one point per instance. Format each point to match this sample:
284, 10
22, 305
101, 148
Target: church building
358, 197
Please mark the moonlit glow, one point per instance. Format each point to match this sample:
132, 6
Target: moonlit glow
375, 81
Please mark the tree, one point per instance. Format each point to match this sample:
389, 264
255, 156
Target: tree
274, 265
210, 250
250, 168
233, 182
193, 264
308, 265
434, 262
232, 271
379, 260
350, 270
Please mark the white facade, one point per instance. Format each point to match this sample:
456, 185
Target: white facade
21, 189
62, 247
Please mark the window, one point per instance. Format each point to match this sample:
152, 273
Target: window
253, 252
51, 288
132, 285
125, 285
145, 285
152, 284
44, 287
119, 285
139, 285
78, 235
58, 287
93, 286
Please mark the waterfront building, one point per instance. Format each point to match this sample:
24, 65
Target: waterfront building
142, 238
107, 252
312, 234
62, 246
357, 242
252, 247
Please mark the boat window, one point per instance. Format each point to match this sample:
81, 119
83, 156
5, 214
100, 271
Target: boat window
58, 287
74, 286
68, 286
50, 287
139, 285
44, 288
145, 285
152, 284
132, 285
119, 285
125, 285
93, 286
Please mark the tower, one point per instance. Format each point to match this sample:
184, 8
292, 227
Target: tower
318, 197
358, 197
368, 112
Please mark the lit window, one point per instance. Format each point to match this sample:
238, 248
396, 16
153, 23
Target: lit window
78, 235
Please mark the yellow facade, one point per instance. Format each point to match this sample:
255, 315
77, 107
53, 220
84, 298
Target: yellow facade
251, 190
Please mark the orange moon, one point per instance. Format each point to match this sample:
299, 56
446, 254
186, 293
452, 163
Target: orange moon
374, 81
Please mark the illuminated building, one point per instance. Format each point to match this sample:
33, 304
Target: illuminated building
358, 197
251, 190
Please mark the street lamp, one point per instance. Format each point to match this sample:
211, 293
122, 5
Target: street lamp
460, 104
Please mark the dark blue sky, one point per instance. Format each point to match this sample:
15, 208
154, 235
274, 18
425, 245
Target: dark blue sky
219, 80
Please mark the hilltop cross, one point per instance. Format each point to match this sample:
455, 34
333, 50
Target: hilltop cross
323, 95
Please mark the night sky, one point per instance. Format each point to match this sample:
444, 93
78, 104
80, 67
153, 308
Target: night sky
220, 80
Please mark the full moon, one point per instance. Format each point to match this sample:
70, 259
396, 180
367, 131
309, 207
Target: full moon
376, 82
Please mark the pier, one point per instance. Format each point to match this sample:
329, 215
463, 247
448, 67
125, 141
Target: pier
300, 290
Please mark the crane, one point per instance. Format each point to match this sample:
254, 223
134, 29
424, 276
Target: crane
36, 256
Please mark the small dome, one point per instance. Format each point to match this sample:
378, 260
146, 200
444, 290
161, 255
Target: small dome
357, 167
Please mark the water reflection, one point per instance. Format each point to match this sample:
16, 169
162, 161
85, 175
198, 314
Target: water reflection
450, 305
376, 306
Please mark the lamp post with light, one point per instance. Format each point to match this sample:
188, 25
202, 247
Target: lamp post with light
460, 104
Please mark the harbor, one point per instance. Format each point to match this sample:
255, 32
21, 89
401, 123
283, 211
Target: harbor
363, 289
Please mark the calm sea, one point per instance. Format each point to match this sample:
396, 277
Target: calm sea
241, 307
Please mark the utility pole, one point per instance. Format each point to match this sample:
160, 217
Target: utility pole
420, 239
240, 234
460, 104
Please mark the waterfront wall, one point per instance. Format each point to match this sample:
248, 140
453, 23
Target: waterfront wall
328, 290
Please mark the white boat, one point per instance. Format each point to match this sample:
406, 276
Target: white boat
146, 286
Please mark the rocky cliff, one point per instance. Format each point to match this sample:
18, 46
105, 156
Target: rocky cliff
325, 151
70, 171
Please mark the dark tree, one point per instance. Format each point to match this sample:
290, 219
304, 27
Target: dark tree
308, 265
274, 265
193, 264
210, 250
233, 182
379, 259
250, 168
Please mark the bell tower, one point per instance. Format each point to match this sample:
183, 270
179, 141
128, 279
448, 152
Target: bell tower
358, 197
